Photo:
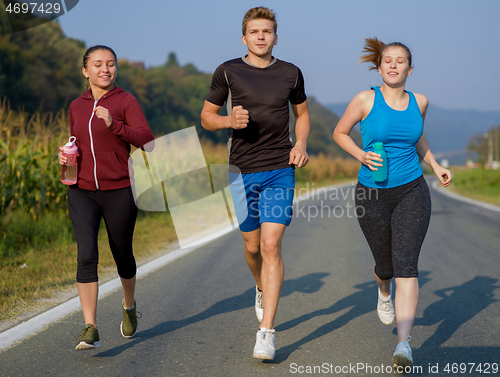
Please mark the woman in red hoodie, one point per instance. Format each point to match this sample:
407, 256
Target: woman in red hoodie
105, 121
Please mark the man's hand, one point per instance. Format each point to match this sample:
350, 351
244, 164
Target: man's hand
239, 118
299, 156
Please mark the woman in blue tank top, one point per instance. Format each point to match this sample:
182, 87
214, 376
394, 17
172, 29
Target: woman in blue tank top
393, 214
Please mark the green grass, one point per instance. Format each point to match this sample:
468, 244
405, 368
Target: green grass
20, 232
479, 184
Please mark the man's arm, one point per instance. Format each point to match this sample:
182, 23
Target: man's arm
212, 121
298, 154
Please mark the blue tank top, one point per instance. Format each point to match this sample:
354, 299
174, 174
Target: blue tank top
400, 131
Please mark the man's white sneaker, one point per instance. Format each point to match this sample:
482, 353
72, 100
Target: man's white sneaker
259, 304
264, 344
385, 308
402, 355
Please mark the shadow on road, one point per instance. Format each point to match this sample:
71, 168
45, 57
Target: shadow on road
360, 303
458, 305
309, 283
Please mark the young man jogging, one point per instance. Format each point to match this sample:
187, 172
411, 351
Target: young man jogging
258, 89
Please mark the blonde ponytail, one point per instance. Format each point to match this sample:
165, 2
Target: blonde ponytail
372, 52
374, 48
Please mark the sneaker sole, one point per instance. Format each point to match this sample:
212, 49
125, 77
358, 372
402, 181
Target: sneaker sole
262, 356
85, 346
386, 322
127, 336
401, 360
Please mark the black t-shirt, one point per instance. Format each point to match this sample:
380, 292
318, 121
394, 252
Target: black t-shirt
265, 143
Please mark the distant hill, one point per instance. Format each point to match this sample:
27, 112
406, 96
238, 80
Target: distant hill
448, 131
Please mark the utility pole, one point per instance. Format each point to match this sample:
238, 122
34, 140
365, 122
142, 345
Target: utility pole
490, 148
497, 145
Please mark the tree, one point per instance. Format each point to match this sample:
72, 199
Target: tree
171, 61
486, 146
39, 67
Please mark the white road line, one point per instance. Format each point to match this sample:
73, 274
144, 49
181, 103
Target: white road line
36, 324
436, 185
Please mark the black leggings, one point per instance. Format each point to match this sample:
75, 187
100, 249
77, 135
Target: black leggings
394, 222
86, 208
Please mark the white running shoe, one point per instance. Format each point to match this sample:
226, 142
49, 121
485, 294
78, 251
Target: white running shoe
264, 344
402, 355
385, 308
259, 304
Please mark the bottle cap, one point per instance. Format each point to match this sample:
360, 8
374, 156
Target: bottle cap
378, 145
71, 143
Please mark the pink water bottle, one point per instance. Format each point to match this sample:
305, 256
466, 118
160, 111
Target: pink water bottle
69, 170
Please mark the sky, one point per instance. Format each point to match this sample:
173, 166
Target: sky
455, 43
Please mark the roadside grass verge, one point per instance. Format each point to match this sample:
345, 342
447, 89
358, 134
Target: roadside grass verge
478, 184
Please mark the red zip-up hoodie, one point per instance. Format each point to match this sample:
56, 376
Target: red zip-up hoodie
104, 151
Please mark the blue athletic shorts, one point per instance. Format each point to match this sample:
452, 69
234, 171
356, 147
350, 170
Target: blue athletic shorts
263, 197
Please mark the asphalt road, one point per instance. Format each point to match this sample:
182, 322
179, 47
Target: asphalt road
198, 317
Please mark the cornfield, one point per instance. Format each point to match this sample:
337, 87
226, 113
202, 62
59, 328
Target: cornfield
32, 207
29, 171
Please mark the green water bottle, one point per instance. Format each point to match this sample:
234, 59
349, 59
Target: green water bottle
380, 175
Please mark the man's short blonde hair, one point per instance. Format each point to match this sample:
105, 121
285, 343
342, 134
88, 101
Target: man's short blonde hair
259, 13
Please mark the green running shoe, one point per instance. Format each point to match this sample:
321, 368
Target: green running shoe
128, 327
89, 339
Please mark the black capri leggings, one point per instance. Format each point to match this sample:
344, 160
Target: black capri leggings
86, 208
394, 222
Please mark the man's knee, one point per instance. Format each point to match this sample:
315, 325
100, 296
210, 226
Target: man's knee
271, 247
252, 248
